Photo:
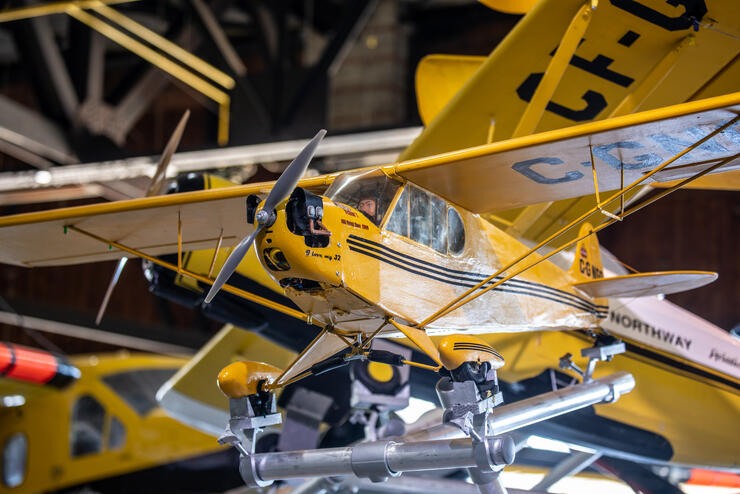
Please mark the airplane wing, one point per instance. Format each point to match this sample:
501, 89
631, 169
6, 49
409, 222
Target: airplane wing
149, 225
503, 175
633, 56
557, 165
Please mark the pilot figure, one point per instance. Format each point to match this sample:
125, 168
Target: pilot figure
368, 206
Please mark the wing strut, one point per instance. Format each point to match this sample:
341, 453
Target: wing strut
180, 270
554, 73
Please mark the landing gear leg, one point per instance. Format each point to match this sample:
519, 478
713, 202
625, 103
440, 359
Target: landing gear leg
468, 398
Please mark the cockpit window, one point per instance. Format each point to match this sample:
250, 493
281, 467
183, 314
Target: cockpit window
369, 192
139, 387
428, 220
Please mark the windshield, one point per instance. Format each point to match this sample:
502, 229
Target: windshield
370, 192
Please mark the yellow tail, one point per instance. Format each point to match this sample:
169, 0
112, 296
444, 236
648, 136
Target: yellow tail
587, 264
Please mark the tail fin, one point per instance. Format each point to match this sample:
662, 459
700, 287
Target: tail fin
587, 264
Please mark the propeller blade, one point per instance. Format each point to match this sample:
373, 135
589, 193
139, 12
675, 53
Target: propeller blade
155, 186
283, 187
290, 177
232, 262
111, 286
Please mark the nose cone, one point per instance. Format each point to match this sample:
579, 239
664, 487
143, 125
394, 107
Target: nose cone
299, 246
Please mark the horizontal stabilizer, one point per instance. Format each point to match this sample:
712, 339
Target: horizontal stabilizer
646, 284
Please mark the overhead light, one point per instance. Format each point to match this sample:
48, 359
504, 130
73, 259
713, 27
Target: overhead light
13, 401
415, 410
42, 177
547, 444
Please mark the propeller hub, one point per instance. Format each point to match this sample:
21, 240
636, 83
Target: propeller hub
265, 218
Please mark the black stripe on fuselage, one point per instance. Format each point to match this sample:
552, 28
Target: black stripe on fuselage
471, 277
479, 348
467, 285
554, 295
686, 367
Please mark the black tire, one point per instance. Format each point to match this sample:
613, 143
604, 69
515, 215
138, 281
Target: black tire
471, 371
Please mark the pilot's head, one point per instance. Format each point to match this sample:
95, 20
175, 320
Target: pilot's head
368, 206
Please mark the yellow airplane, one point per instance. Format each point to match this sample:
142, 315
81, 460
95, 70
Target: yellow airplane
400, 250
93, 420
423, 262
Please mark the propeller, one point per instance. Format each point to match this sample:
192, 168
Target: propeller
155, 188
265, 217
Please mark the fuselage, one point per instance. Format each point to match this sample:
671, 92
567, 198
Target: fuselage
360, 268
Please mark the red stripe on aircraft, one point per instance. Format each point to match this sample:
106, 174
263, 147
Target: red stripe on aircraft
32, 365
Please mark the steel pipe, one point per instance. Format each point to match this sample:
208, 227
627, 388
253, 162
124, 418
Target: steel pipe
545, 406
441, 447
380, 459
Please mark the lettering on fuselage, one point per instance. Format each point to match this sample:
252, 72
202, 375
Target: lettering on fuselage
652, 332
354, 225
313, 253
693, 10
669, 143
591, 271
720, 356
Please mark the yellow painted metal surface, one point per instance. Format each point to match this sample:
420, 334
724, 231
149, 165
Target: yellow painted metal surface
19, 13
587, 264
618, 52
632, 47
240, 379
46, 420
455, 350
717, 181
421, 340
438, 78
510, 6
555, 70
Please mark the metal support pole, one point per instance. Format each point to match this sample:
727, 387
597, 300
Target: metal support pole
437, 448
571, 465
538, 408
377, 460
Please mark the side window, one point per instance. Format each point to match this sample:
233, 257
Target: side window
419, 218
138, 388
116, 433
399, 220
439, 225
86, 429
455, 231
428, 220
